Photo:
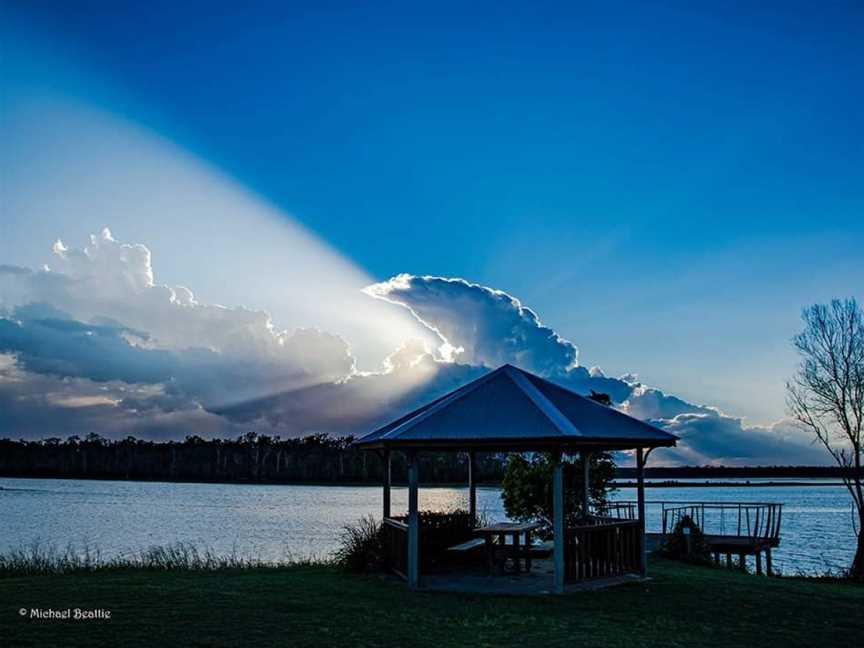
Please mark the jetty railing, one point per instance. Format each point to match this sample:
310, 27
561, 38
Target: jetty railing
619, 510
758, 521
604, 548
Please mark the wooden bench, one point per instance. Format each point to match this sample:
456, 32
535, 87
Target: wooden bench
468, 545
542, 548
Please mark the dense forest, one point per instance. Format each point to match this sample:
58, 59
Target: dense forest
317, 458
732, 472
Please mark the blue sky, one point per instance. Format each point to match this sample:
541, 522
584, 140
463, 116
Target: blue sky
665, 185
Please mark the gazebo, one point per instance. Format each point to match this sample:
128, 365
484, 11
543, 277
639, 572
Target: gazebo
512, 410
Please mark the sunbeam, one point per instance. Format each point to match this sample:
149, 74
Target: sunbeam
71, 168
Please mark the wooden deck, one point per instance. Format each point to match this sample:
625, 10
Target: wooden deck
723, 543
731, 528
603, 550
753, 529
737, 544
539, 581
599, 553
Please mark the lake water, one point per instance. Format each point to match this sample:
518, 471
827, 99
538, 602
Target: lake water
279, 521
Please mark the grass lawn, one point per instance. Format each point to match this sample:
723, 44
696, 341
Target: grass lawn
318, 606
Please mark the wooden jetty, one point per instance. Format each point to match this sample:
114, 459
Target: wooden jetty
730, 528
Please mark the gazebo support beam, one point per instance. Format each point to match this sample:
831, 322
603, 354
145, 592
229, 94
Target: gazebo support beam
586, 483
413, 522
640, 498
385, 457
558, 520
472, 485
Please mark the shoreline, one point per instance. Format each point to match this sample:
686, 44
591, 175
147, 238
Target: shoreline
725, 484
614, 484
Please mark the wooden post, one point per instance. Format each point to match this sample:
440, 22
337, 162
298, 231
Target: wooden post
558, 520
472, 486
768, 569
640, 496
516, 553
758, 563
586, 483
386, 459
413, 522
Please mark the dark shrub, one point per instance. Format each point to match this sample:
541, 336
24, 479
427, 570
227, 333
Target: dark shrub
687, 543
440, 530
360, 546
527, 488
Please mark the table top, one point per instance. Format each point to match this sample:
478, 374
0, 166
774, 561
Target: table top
508, 527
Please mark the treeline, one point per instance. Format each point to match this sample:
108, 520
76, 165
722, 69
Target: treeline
726, 472
318, 458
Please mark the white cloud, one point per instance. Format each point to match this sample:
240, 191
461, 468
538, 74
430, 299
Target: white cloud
480, 325
646, 403
94, 343
35, 405
109, 282
714, 438
98, 313
492, 327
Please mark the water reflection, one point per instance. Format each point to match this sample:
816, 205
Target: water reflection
276, 521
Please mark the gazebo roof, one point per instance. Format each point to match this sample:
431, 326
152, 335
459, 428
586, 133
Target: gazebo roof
512, 409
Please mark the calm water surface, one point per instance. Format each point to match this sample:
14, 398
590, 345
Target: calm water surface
277, 521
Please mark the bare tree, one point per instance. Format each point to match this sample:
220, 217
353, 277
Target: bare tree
827, 394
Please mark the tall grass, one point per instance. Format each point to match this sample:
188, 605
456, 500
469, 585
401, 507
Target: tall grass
38, 558
361, 546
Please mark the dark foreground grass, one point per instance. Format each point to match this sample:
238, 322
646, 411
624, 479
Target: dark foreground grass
319, 606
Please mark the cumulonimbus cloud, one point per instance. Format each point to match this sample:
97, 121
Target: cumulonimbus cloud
489, 327
480, 325
93, 341
97, 313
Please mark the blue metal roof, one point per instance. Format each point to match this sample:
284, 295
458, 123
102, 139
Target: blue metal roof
512, 408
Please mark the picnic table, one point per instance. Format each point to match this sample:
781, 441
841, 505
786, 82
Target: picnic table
495, 536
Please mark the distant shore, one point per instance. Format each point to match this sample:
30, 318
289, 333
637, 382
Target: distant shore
649, 483
724, 484
316, 459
